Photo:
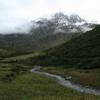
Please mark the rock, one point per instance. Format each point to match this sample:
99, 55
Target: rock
68, 78
87, 86
36, 68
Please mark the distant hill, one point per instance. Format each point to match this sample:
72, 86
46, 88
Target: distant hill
29, 43
82, 51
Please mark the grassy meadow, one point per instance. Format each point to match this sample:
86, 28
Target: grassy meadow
31, 86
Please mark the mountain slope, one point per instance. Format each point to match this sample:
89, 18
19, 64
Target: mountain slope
86, 45
29, 43
82, 52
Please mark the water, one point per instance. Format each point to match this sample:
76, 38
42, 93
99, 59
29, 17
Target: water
67, 83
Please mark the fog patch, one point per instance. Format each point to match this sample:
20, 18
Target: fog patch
15, 28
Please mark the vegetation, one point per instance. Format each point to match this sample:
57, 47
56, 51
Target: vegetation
33, 86
79, 58
16, 82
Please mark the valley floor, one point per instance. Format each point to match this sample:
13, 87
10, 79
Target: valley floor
17, 83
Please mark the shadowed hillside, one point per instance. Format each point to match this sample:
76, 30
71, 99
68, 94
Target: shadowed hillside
29, 43
82, 51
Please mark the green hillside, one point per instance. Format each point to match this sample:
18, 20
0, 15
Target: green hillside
86, 45
82, 51
6, 53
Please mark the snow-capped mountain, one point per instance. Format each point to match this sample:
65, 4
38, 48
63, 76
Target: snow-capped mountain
61, 23
45, 33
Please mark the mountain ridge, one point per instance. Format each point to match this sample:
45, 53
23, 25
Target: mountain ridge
46, 33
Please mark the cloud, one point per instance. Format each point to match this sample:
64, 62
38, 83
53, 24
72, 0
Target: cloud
14, 13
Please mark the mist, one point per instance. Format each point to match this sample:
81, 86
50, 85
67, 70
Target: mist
16, 15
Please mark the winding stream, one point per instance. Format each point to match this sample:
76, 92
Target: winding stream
67, 83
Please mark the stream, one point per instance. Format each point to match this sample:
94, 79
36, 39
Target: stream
67, 83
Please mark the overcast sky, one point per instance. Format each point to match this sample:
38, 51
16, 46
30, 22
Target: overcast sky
14, 13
